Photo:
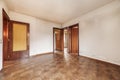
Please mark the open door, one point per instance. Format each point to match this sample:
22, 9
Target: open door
58, 40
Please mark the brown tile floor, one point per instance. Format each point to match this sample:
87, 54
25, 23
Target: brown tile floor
59, 67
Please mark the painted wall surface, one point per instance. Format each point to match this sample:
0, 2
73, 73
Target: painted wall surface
100, 33
0, 37
41, 33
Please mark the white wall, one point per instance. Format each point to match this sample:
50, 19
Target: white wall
3, 5
41, 33
0, 37
100, 33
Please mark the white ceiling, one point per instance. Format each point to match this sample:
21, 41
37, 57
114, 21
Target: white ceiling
59, 11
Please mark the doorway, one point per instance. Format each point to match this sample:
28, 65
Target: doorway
6, 23
58, 45
66, 40
73, 42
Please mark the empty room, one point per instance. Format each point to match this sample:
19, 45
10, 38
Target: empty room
59, 39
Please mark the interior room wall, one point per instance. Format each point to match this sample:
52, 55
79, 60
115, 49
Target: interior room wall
41, 32
99, 33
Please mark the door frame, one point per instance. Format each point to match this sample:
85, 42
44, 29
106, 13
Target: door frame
77, 24
54, 40
4, 16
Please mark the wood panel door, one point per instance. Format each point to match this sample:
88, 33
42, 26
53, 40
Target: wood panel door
73, 39
58, 39
19, 40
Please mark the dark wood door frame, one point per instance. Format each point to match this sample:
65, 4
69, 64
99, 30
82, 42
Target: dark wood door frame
6, 22
62, 44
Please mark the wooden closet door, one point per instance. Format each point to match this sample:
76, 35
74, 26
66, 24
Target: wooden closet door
59, 39
73, 39
5, 41
62, 39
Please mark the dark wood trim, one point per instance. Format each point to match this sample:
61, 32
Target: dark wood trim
78, 38
71, 26
5, 14
56, 28
4, 17
19, 22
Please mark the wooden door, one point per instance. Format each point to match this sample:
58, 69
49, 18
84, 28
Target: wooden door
73, 39
19, 40
58, 39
